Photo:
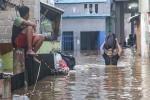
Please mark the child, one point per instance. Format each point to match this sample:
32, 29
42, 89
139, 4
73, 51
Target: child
23, 33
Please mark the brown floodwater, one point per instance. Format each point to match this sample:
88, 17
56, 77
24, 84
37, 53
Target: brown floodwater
92, 80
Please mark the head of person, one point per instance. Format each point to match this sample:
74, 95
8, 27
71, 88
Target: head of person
110, 42
24, 12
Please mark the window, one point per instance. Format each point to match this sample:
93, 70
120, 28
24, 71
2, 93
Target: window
96, 8
90, 8
85, 6
74, 9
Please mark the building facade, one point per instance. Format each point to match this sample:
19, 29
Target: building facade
83, 22
119, 18
144, 9
8, 14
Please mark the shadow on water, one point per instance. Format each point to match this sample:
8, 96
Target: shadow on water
93, 81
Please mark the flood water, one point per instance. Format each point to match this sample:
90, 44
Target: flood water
92, 80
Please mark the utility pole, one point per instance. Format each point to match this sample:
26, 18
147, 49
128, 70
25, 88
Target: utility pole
144, 8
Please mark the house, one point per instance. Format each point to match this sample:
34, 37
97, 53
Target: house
119, 17
8, 14
84, 23
144, 9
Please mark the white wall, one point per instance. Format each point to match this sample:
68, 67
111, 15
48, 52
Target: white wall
51, 2
127, 26
144, 5
78, 9
83, 24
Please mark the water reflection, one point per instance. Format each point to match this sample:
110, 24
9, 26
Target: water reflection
127, 81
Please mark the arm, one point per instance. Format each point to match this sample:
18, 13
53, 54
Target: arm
28, 23
119, 48
22, 22
101, 48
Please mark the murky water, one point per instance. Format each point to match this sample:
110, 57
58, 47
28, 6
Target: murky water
94, 81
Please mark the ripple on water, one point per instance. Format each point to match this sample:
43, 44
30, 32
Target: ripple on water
93, 81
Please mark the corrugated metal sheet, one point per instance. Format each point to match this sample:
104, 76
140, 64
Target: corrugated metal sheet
51, 8
89, 40
78, 1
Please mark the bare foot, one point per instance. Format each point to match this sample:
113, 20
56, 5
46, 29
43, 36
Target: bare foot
31, 52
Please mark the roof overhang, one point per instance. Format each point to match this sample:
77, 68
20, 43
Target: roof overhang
79, 1
50, 11
134, 18
121, 0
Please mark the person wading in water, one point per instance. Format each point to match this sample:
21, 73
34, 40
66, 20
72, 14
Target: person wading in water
111, 50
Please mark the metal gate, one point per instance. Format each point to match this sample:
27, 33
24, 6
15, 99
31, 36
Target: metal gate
67, 41
89, 40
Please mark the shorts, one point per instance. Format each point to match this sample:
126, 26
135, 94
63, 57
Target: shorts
21, 40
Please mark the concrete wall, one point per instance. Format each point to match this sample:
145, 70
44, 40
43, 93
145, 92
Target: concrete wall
118, 20
144, 5
78, 19
51, 2
78, 9
80, 25
85, 24
7, 16
144, 8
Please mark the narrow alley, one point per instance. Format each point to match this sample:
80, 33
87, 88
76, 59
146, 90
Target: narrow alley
55, 49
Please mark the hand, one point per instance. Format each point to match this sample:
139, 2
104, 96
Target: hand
32, 23
116, 39
29, 23
34, 27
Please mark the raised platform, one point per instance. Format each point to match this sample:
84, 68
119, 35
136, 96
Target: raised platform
31, 70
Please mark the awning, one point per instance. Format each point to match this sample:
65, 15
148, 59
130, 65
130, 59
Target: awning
134, 18
50, 11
